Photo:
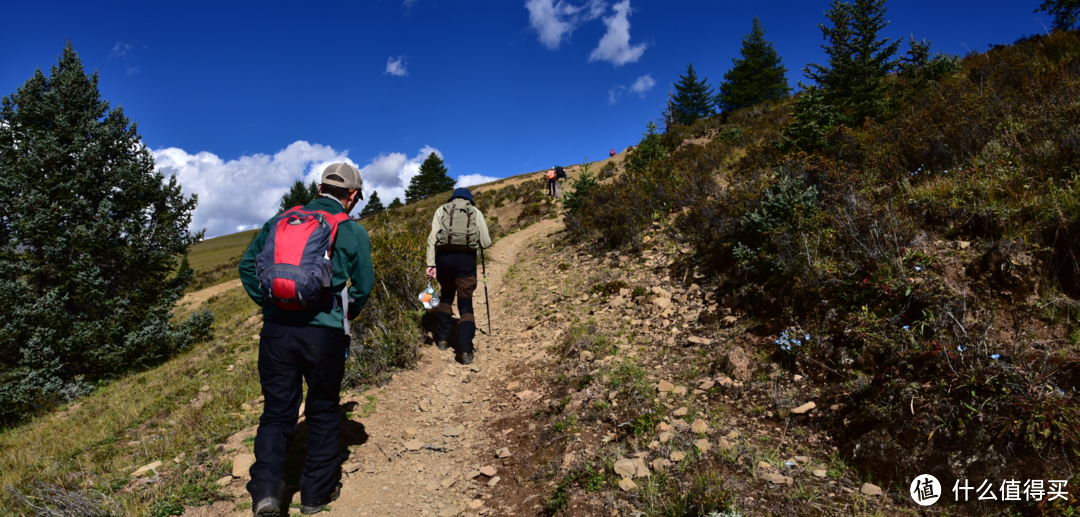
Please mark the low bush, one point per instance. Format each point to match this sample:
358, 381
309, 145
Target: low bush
607, 171
386, 335
583, 186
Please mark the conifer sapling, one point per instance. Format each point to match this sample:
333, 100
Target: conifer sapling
759, 75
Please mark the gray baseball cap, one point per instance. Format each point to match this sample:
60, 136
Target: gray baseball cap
343, 175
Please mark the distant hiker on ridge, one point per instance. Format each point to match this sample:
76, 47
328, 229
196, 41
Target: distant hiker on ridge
612, 153
552, 185
458, 233
297, 269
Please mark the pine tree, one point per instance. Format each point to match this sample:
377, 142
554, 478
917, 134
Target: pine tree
693, 98
648, 151
812, 119
1065, 12
582, 187
667, 115
758, 76
298, 195
432, 180
373, 206
185, 266
919, 68
90, 235
396, 203
853, 81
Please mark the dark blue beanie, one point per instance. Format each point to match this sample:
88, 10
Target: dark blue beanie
462, 193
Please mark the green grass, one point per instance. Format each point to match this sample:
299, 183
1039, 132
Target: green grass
215, 260
88, 445
837, 467
365, 410
219, 250
565, 424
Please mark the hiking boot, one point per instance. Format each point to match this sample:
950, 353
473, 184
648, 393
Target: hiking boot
270, 506
443, 345
267, 507
308, 510
465, 357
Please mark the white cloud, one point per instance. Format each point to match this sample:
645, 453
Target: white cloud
468, 180
555, 19
242, 194
643, 84
615, 46
396, 66
640, 86
407, 5
614, 94
119, 51
391, 173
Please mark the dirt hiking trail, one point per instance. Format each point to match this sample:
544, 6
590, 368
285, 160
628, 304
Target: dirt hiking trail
417, 444
193, 301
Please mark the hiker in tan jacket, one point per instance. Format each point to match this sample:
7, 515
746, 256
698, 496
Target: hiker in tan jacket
458, 232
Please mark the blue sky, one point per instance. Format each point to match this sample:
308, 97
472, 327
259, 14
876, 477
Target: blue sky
241, 99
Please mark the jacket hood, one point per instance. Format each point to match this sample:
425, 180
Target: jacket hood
462, 193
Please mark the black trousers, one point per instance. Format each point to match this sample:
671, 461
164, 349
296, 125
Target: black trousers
288, 356
456, 272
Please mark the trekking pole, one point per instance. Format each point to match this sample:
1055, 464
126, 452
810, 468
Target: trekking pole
487, 299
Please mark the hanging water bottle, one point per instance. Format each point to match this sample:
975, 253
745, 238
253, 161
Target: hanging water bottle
429, 298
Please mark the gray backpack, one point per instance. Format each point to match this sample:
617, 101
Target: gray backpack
459, 227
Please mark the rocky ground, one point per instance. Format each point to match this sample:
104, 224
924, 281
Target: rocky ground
704, 404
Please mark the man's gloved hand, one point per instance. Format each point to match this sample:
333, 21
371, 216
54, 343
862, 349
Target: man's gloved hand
431, 272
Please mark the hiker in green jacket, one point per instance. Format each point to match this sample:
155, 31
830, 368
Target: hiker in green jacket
306, 339
458, 231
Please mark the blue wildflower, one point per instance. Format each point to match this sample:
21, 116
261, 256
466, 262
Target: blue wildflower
995, 357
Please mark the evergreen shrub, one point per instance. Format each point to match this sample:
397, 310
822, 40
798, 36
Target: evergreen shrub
90, 236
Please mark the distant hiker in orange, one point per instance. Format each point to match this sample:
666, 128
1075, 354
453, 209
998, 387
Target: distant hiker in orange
552, 185
612, 153
560, 174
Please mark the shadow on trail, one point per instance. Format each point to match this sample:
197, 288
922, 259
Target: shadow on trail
352, 433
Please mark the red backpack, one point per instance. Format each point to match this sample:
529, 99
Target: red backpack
294, 268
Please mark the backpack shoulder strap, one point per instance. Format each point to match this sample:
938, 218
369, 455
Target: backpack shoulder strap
334, 221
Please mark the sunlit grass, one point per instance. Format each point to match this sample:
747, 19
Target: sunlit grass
145, 417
